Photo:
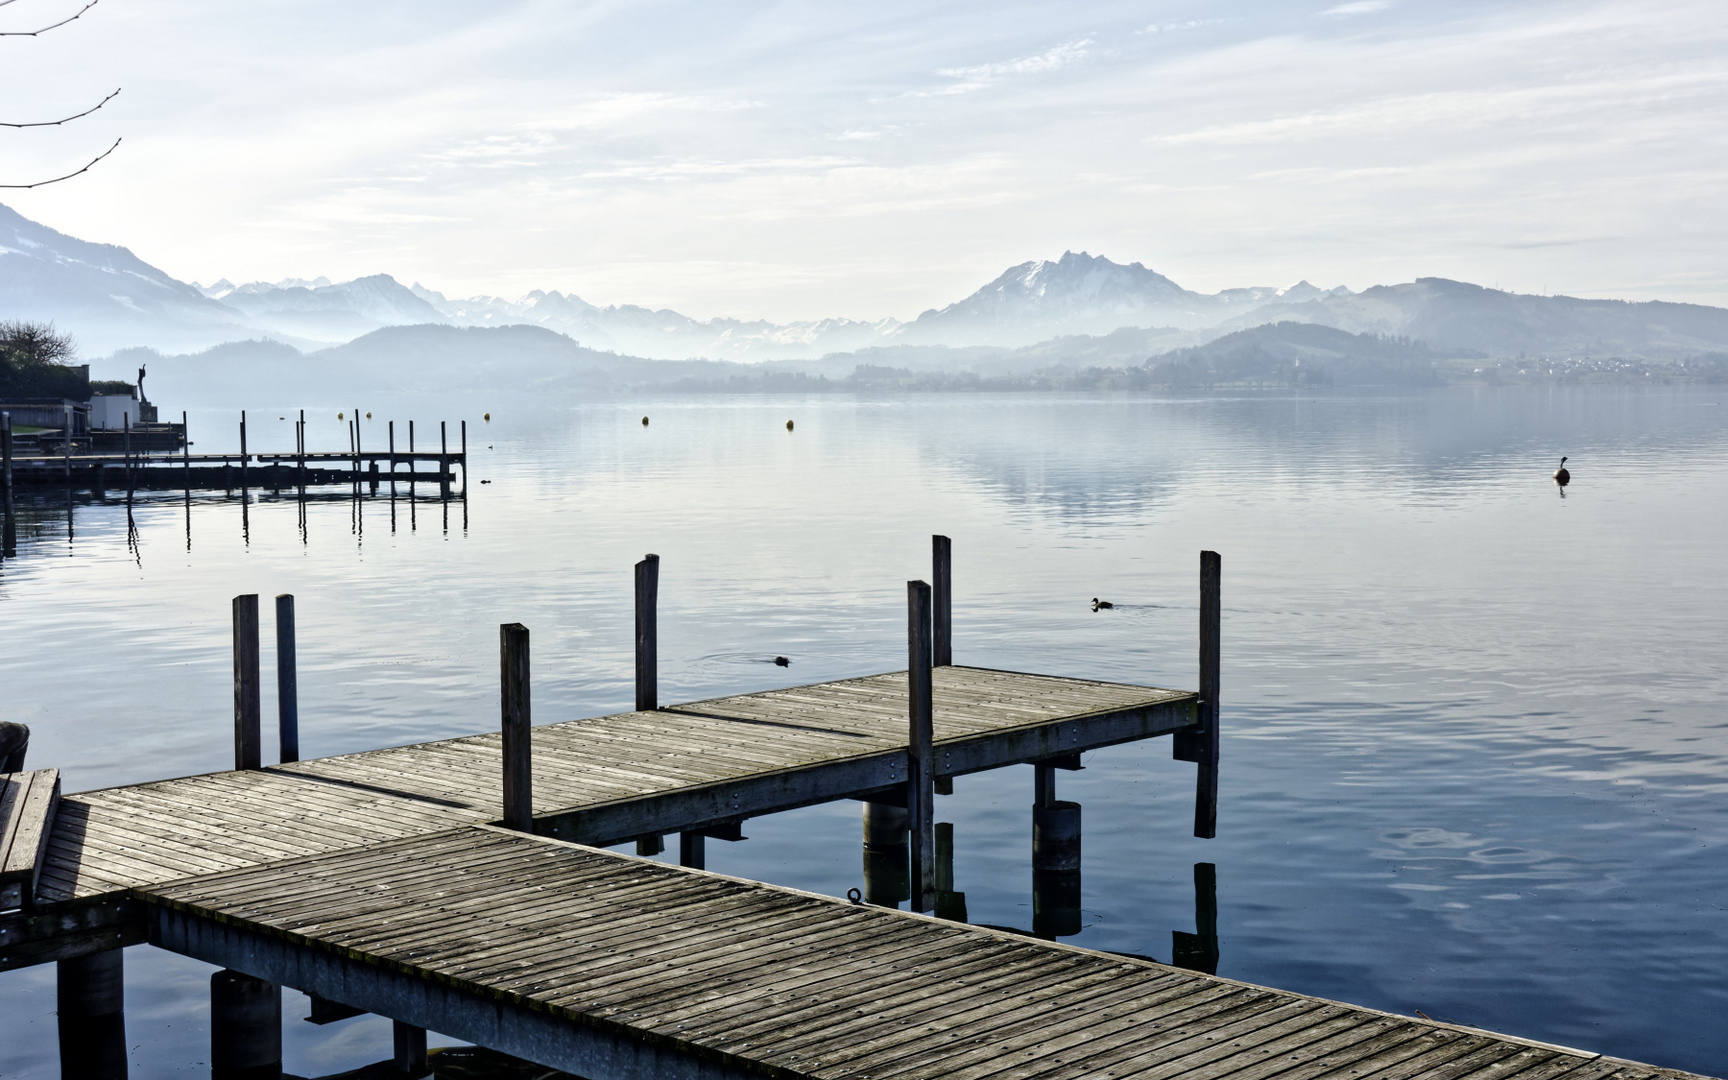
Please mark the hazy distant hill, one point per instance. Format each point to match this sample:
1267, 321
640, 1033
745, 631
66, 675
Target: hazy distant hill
1296, 354
1078, 310
103, 295
1453, 315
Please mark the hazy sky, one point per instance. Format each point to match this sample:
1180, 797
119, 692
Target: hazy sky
803, 160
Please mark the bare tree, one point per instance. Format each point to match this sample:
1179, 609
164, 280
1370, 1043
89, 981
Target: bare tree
64, 120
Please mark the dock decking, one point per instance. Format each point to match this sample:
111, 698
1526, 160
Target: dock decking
600, 781
607, 965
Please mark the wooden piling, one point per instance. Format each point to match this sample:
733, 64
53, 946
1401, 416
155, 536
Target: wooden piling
921, 770
9, 525
66, 445
1206, 790
247, 751
90, 997
942, 600
443, 459
692, 852
513, 684
287, 682
464, 460
243, 484
245, 1027
647, 634
126, 449
392, 458
410, 1049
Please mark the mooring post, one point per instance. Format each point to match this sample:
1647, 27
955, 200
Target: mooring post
443, 459
126, 449
692, 851
245, 1027
91, 1000
8, 544
949, 903
287, 682
464, 459
886, 858
243, 484
247, 754
1055, 859
942, 601
921, 770
410, 1047
186, 451
1206, 790
392, 457
647, 634
513, 693
66, 447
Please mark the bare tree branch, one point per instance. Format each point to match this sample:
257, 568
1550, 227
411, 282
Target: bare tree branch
45, 29
68, 176
67, 120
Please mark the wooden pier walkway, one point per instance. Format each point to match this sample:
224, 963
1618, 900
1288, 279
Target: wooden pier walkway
606, 965
606, 780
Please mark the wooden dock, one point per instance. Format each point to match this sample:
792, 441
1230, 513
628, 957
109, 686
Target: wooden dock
458, 886
605, 965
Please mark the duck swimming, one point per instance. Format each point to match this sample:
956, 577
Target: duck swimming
1561, 476
1101, 605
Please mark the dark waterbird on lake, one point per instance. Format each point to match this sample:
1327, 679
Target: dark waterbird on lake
1101, 605
781, 661
1561, 476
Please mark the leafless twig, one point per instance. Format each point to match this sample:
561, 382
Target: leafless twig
67, 120
68, 176
45, 29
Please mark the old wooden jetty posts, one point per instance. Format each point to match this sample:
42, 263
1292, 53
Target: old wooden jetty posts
459, 886
144, 466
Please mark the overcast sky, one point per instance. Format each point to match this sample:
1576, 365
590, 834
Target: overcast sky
807, 160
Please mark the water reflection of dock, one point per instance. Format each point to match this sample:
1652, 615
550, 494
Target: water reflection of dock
459, 886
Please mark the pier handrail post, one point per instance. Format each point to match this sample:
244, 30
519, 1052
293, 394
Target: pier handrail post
247, 751
287, 682
942, 601
513, 700
920, 773
1206, 790
647, 634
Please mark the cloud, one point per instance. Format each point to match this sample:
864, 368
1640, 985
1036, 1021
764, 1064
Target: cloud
984, 75
1358, 7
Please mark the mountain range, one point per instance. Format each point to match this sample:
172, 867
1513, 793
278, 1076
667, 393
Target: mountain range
1077, 309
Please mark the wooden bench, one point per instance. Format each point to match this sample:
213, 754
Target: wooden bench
27, 806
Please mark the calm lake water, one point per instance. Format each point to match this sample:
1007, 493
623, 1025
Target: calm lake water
1475, 737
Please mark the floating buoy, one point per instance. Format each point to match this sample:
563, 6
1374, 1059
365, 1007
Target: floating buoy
339, 416
788, 425
644, 421
368, 416
487, 418
1561, 476
1101, 605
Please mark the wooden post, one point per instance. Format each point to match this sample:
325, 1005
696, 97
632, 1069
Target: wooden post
245, 1026
443, 459
247, 752
287, 682
692, 852
392, 458
66, 447
186, 451
413, 466
647, 634
243, 484
942, 600
921, 764
464, 460
126, 449
1206, 790
91, 998
410, 1047
8, 544
513, 684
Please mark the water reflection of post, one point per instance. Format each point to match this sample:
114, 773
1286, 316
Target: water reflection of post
949, 904
1055, 858
90, 995
1199, 951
